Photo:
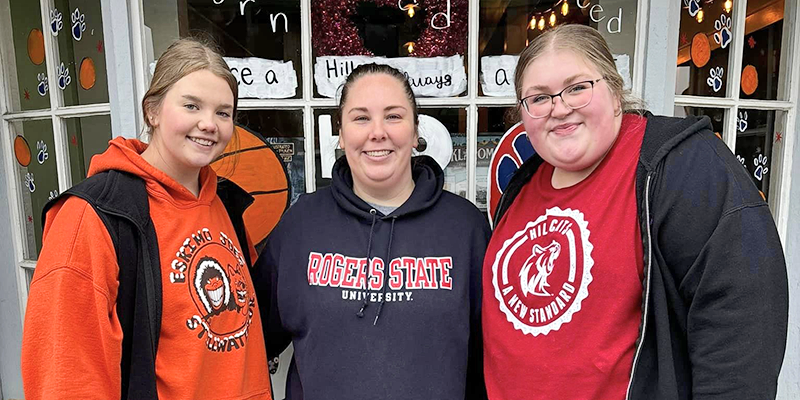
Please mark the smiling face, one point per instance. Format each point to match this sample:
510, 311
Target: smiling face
193, 123
378, 133
571, 140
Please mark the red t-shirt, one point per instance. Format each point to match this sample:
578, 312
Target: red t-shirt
562, 284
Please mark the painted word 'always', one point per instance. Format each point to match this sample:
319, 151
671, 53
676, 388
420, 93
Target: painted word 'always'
337, 270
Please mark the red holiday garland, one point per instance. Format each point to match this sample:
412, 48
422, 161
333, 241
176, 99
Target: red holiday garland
334, 34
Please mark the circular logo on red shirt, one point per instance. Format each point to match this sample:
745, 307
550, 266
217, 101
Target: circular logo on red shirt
542, 273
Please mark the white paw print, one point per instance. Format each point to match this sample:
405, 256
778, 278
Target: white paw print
29, 182
693, 6
42, 87
63, 76
42, 156
741, 121
715, 78
56, 21
761, 166
52, 195
78, 24
723, 34
741, 160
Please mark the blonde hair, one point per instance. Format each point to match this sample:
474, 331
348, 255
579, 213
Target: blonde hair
181, 58
586, 43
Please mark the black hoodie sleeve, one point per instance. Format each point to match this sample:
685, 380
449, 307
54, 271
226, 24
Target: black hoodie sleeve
730, 296
265, 280
476, 386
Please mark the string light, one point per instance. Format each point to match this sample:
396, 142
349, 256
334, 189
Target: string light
541, 24
409, 8
565, 8
553, 18
728, 6
700, 15
411, 12
533, 22
410, 47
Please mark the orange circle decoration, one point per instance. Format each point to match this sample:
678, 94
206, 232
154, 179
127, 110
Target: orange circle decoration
22, 151
88, 74
36, 47
258, 169
749, 80
701, 50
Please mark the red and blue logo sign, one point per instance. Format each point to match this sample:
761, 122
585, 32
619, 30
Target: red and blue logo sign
514, 148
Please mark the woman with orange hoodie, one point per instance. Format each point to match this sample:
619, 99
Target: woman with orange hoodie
208, 341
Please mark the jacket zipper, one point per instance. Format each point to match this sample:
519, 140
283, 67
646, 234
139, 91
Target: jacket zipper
647, 286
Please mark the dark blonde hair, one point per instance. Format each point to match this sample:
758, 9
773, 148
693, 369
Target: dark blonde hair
181, 58
586, 43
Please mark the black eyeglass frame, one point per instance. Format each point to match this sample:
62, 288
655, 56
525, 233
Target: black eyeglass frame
553, 98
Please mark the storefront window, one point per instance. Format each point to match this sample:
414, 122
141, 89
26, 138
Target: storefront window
35, 162
86, 136
762, 49
426, 39
493, 123
756, 138
717, 116
261, 41
705, 36
506, 28
28, 37
81, 68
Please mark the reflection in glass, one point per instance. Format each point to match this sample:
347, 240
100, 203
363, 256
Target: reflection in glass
37, 174
705, 36
762, 49
87, 136
81, 67
493, 123
717, 116
28, 41
755, 139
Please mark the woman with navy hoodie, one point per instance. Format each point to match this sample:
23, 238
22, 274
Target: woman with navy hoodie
376, 280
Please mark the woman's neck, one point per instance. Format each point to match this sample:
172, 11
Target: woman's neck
391, 197
188, 179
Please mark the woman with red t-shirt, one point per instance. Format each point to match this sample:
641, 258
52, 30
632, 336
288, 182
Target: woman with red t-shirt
633, 257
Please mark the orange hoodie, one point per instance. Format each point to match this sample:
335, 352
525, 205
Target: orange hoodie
211, 344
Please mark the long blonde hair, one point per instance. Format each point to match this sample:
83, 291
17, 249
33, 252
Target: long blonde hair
586, 43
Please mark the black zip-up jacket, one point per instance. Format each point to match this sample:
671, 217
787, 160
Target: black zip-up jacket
715, 292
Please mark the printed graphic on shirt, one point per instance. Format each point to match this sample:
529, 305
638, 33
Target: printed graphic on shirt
357, 280
542, 273
214, 272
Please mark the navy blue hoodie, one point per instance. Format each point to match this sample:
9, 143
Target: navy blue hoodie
414, 332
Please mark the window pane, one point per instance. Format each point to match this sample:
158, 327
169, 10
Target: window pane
283, 130
761, 56
87, 136
35, 157
28, 278
406, 34
755, 139
704, 47
260, 40
493, 123
717, 116
81, 69
29, 55
506, 27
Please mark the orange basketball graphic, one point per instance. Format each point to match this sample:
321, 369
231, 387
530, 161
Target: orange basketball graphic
749, 80
87, 74
36, 46
701, 50
257, 168
22, 151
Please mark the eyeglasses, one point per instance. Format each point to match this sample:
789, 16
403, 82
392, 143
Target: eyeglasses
575, 96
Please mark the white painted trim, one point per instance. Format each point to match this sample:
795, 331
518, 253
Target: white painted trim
308, 92
473, 32
642, 8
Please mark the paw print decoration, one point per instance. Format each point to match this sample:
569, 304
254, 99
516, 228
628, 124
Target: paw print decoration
56, 21
723, 34
42, 155
715, 78
78, 24
741, 160
29, 182
693, 6
741, 121
760, 163
63, 76
52, 195
42, 87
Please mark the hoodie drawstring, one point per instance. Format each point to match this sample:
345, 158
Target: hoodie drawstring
386, 272
365, 303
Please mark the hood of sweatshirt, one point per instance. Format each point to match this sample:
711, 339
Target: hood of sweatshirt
125, 155
428, 183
